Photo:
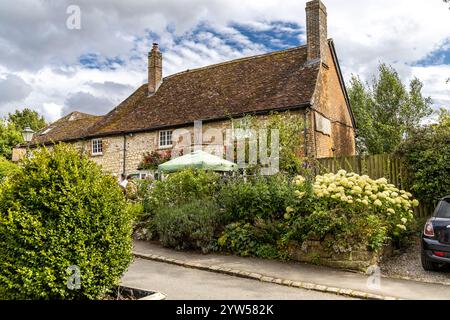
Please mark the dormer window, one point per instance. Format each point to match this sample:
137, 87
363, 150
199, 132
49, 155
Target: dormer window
97, 147
165, 139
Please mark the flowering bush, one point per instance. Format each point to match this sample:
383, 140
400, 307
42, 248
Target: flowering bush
153, 159
353, 208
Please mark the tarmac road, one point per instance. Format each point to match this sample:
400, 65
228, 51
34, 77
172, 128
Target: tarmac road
179, 283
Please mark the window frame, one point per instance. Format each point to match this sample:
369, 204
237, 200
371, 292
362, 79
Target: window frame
166, 145
97, 147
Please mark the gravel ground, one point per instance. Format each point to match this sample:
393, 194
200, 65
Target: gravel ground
406, 264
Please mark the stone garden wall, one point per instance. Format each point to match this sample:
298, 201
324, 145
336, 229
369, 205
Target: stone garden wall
316, 252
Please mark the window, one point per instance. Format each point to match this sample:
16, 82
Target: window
443, 210
97, 146
165, 138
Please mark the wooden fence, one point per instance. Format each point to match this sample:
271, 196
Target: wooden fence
375, 166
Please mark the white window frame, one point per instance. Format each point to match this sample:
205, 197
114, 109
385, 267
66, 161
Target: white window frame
96, 147
163, 139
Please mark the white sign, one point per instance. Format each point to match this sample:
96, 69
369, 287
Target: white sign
323, 124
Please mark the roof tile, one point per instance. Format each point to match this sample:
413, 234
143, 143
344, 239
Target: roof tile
277, 80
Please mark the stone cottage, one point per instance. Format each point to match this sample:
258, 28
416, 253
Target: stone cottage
306, 81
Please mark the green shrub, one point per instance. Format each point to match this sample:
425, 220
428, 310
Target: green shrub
263, 197
143, 227
60, 210
320, 223
188, 226
260, 239
239, 239
269, 251
179, 188
426, 155
290, 128
7, 168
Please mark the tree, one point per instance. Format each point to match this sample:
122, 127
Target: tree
426, 155
362, 109
12, 126
27, 118
386, 112
443, 124
9, 137
290, 129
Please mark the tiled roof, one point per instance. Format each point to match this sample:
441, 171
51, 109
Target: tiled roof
277, 80
74, 125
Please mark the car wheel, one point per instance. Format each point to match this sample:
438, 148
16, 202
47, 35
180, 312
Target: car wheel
427, 264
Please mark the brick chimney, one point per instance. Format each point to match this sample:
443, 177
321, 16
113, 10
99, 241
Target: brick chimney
316, 31
154, 69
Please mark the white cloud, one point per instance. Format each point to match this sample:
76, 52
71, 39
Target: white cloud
13, 88
436, 86
36, 46
53, 111
88, 103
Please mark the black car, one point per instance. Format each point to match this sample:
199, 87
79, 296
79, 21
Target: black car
436, 238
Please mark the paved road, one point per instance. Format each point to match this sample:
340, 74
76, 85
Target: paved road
299, 272
179, 283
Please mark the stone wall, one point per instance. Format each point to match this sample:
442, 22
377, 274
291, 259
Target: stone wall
140, 143
315, 252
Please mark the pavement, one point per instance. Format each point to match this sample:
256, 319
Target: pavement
288, 274
180, 283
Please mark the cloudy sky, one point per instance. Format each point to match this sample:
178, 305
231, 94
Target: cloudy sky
54, 69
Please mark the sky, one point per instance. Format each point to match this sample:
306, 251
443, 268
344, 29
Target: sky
55, 61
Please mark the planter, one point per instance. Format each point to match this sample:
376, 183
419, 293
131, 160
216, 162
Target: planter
359, 259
